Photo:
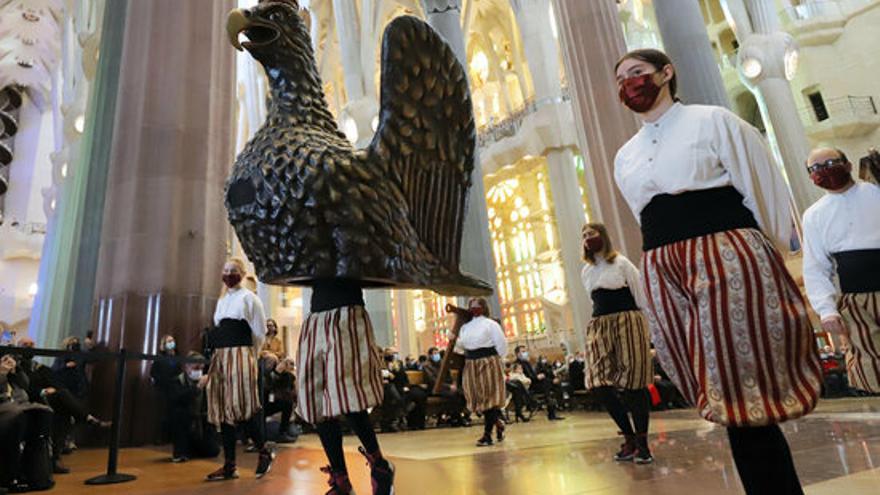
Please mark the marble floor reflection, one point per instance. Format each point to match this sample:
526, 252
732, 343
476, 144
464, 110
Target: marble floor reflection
836, 449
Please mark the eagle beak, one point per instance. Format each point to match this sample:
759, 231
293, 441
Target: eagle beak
236, 22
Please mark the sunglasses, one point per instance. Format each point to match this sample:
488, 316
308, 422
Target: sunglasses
833, 162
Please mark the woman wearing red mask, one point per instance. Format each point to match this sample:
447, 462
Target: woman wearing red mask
729, 323
483, 343
231, 381
618, 346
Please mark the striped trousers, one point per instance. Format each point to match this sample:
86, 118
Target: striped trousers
731, 329
861, 314
482, 381
233, 390
338, 365
619, 352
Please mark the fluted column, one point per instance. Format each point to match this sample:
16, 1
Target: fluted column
592, 41
164, 236
766, 67
476, 250
533, 18
686, 41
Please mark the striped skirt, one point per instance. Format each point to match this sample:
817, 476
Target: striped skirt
861, 314
483, 384
619, 352
731, 328
233, 390
339, 365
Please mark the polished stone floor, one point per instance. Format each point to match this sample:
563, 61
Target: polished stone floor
836, 449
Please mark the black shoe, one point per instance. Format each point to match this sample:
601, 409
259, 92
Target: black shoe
555, 417
178, 459
381, 473
499, 431
627, 449
58, 468
484, 441
643, 456
264, 464
285, 438
226, 472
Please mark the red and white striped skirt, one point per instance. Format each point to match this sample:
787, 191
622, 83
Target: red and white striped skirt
483, 384
861, 314
731, 328
339, 366
233, 390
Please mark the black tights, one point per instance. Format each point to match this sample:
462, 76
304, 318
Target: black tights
635, 402
330, 433
764, 461
255, 432
491, 417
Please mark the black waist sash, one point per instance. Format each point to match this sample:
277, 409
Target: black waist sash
858, 271
333, 293
231, 333
609, 301
672, 218
482, 352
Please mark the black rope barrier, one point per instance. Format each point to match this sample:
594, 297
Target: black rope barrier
112, 475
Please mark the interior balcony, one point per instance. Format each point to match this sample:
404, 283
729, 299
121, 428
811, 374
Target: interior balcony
843, 117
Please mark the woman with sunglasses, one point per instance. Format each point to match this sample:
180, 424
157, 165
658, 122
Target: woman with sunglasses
729, 323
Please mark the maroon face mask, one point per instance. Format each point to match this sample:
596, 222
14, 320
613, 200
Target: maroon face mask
831, 178
639, 93
476, 311
232, 279
593, 244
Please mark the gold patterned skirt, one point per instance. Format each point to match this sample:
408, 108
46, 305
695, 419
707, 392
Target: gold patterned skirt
483, 383
233, 388
619, 352
861, 315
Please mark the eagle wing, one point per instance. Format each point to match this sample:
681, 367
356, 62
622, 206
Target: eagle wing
426, 135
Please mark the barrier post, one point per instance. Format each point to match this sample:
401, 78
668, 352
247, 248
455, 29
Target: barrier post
112, 476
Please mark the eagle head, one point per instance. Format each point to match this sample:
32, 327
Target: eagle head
274, 29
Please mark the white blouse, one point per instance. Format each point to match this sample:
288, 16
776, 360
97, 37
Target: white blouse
242, 304
837, 222
618, 274
481, 332
696, 147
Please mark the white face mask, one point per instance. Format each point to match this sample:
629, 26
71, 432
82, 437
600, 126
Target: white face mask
194, 374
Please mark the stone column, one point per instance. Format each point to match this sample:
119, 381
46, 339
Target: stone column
592, 41
764, 67
476, 249
408, 340
533, 17
686, 41
163, 241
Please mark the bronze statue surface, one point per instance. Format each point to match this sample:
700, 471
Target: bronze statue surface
306, 206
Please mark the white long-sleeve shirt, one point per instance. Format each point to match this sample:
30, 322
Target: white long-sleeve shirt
697, 147
481, 332
242, 304
847, 221
618, 274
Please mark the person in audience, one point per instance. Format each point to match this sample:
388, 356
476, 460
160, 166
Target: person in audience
279, 385
670, 397
44, 387
232, 379
410, 364
553, 385
714, 209
393, 404
618, 344
162, 371
192, 436
22, 423
273, 343
454, 409
576, 377
482, 341
518, 386
422, 362
542, 383
71, 370
840, 247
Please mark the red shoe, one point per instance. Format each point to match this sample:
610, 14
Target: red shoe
339, 483
627, 449
381, 473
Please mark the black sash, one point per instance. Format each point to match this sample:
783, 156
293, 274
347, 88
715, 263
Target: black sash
335, 293
482, 352
231, 333
609, 301
858, 271
672, 218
